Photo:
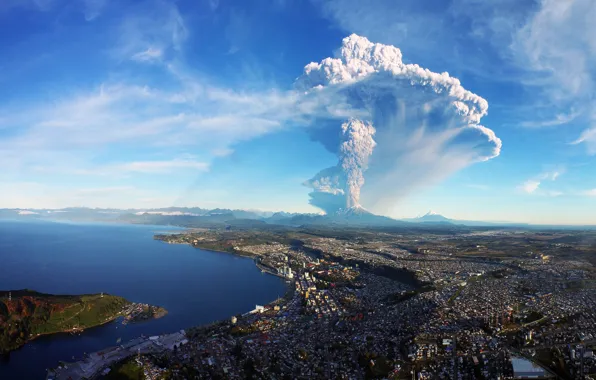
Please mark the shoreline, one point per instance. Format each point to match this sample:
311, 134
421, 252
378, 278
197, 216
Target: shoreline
278, 300
29, 340
82, 330
261, 267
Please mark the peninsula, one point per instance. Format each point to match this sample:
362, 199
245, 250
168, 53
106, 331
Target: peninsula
27, 314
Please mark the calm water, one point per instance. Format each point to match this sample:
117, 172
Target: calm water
195, 286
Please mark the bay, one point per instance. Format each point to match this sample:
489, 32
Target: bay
195, 286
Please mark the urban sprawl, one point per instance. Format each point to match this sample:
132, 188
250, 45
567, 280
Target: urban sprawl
491, 304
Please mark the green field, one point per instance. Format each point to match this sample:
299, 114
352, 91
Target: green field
30, 314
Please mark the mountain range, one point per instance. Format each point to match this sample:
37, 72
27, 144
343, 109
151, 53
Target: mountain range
201, 217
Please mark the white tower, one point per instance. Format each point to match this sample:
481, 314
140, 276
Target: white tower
9, 296
101, 294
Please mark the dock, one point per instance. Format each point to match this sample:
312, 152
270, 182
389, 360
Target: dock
93, 364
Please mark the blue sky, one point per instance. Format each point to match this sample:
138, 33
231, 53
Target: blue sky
121, 103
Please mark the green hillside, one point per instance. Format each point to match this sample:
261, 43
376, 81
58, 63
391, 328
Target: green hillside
30, 314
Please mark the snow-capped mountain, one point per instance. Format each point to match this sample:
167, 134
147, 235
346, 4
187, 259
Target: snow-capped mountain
351, 211
431, 216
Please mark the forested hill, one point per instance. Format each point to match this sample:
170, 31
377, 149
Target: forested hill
28, 314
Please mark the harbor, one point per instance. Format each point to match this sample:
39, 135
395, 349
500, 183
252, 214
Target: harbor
98, 363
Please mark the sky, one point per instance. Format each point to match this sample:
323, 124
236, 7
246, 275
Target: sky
476, 109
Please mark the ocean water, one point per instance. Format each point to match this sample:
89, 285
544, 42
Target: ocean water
195, 286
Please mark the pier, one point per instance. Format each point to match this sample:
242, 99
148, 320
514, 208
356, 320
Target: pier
93, 364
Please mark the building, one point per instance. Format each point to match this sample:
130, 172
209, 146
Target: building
525, 369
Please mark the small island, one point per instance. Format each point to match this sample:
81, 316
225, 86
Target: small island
27, 314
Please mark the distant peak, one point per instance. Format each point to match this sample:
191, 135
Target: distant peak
352, 210
432, 216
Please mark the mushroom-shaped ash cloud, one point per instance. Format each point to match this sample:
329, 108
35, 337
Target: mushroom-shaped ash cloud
395, 127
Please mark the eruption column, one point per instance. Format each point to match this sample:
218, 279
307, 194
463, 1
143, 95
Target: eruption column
356, 147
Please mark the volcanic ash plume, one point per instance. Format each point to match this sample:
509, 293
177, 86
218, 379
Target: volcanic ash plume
426, 126
356, 148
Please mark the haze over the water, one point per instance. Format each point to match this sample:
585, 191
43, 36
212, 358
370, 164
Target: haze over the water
302, 106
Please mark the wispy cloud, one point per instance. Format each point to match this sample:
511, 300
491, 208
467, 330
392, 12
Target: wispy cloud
532, 185
126, 169
151, 54
559, 119
93, 8
160, 166
223, 152
557, 43
588, 137
155, 27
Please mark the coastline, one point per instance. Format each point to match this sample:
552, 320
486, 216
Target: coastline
29, 340
289, 291
234, 252
161, 312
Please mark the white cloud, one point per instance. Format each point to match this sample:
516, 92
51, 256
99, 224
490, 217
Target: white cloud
588, 137
531, 186
590, 193
67, 134
149, 55
558, 42
553, 175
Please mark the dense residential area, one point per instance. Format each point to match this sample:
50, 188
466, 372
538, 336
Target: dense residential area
365, 304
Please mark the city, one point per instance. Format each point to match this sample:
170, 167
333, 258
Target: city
351, 310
